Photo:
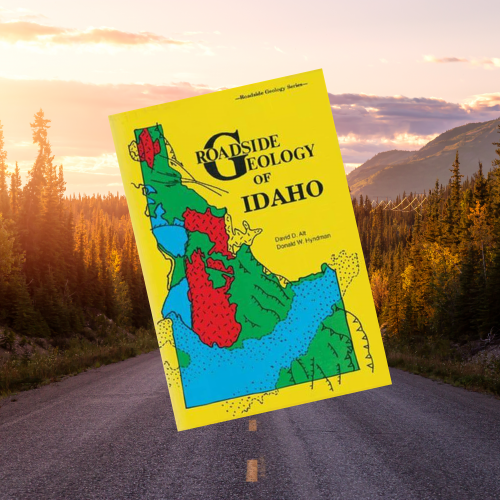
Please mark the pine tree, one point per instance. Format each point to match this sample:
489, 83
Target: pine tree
6, 250
104, 275
433, 230
496, 161
4, 193
480, 187
123, 304
80, 268
394, 312
51, 222
15, 191
453, 203
495, 178
30, 227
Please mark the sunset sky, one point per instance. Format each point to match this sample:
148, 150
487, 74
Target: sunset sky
398, 73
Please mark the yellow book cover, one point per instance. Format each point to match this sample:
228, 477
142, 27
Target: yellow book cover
249, 248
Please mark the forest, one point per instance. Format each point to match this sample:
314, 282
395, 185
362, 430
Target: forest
435, 271
64, 260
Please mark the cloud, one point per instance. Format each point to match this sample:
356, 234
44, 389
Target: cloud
23, 31
349, 167
81, 137
20, 14
483, 102
487, 63
79, 112
33, 33
369, 124
433, 59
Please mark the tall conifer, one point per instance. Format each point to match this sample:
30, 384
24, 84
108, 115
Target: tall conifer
4, 193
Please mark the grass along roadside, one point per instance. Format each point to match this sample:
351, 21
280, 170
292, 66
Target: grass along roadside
22, 373
481, 375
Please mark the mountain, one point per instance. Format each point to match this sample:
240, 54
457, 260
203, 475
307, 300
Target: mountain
389, 174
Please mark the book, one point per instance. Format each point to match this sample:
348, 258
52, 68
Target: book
249, 248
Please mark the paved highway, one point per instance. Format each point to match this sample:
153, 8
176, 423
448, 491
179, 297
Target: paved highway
109, 433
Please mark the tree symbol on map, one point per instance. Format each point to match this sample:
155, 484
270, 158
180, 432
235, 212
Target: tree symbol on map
238, 328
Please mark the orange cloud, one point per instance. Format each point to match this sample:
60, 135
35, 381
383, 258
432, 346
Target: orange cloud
79, 112
24, 31
40, 34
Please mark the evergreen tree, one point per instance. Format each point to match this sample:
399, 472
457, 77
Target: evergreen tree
453, 202
4, 193
480, 187
15, 191
30, 222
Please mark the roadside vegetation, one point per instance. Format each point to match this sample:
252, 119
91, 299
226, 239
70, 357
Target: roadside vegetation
435, 277
455, 366
30, 363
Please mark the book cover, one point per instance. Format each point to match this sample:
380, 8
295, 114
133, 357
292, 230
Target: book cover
249, 248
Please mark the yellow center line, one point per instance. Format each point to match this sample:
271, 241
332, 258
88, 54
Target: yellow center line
252, 425
252, 471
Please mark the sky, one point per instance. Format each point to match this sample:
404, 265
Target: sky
398, 73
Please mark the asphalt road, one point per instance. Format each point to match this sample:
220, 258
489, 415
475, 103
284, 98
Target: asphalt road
109, 433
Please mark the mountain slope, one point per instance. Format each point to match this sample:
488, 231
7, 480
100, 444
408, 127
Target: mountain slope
390, 173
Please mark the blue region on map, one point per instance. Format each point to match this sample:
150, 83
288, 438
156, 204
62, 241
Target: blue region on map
216, 374
177, 300
172, 238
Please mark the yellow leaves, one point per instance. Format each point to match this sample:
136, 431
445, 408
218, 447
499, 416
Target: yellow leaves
379, 283
6, 250
407, 276
480, 229
115, 264
443, 268
440, 257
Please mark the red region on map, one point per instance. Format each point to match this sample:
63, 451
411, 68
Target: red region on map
147, 148
213, 227
213, 317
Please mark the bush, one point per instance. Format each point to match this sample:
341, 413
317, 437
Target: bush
22, 372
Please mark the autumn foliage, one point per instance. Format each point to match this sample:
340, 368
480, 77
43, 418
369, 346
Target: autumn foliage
435, 272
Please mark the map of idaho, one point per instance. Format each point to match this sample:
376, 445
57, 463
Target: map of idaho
238, 329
